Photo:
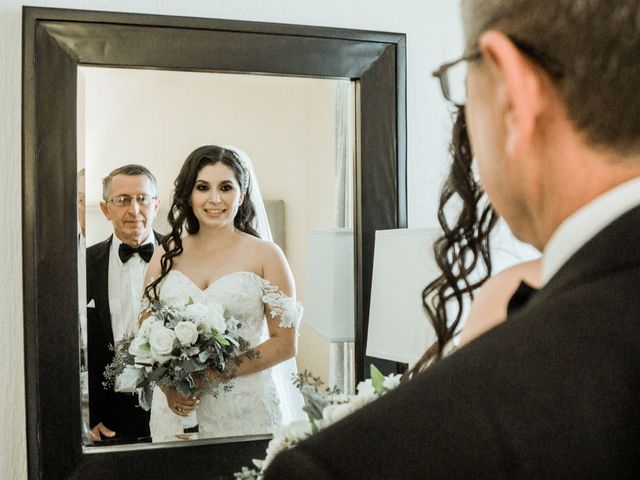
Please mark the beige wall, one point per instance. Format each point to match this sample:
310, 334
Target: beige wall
433, 36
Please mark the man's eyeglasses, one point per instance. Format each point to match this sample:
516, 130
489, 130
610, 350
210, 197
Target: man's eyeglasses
453, 75
141, 199
453, 78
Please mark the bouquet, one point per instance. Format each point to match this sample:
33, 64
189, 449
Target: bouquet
324, 407
174, 346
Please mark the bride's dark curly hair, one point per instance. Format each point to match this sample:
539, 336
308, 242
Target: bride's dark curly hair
461, 247
181, 213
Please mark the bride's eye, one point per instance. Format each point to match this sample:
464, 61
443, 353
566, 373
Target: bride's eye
226, 188
202, 187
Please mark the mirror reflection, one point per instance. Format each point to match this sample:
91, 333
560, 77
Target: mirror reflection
288, 153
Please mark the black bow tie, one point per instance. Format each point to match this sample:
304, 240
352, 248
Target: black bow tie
522, 295
125, 252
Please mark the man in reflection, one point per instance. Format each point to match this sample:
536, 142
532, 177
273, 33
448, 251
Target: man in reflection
115, 278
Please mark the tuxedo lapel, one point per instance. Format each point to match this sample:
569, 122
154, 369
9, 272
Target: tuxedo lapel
100, 282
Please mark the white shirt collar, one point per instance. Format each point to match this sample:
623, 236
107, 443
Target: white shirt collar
585, 223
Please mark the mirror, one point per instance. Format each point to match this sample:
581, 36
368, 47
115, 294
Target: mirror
299, 134
57, 43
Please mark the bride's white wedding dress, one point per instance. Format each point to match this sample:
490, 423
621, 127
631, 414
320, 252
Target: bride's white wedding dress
253, 405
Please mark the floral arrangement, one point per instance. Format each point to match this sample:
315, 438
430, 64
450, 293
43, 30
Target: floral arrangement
324, 407
174, 346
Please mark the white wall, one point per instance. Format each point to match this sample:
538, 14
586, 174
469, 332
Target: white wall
433, 35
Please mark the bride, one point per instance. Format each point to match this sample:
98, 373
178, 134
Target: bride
223, 259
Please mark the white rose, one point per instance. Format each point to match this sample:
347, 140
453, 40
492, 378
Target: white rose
186, 332
146, 327
161, 342
207, 317
333, 413
140, 349
196, 311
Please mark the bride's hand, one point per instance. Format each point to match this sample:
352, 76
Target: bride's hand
180, 405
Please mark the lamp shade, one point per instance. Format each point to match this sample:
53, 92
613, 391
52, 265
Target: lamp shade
329, 284
403, 265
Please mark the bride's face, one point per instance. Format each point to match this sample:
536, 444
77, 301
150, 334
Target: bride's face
216, 196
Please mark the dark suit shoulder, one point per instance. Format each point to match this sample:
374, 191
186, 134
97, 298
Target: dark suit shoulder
99, 249
550, 393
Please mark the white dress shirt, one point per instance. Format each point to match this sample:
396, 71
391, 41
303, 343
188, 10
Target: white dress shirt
126, 285
585, 223
82, 287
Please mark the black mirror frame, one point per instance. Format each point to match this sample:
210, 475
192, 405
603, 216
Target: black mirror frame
55, 42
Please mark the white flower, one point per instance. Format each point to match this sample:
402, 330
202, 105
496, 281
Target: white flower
161, 343
365, 388
285, 438
334, 413
366, 394
140, 349
207, 317
391, 381
186, 332
146, 327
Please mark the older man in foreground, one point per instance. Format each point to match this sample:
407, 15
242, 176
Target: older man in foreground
554, 392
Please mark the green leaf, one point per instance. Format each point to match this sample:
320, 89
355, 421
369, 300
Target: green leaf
377, 380
232, 341
220, 339
314, 425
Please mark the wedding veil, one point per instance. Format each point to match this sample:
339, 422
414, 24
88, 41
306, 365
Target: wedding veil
284, 372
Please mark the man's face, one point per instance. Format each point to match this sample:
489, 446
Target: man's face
132, 224
80, 204
500, 174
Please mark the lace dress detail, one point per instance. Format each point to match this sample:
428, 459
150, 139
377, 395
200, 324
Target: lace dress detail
253, 405
289, 311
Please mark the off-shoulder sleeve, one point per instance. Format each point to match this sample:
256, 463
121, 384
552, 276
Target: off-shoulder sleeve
281, 305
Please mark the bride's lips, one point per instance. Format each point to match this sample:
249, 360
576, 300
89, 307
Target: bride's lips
214, 212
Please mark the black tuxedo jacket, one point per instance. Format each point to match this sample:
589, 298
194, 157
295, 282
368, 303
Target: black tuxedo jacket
118, 411
554, 392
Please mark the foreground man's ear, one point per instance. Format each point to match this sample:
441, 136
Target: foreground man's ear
519, 88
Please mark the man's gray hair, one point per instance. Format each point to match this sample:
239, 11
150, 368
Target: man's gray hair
596, 43
131, 170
